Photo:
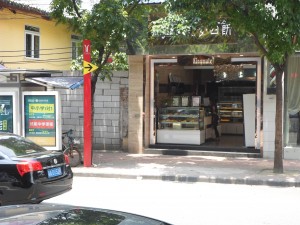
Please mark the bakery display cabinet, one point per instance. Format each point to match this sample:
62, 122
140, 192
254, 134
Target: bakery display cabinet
231, 117
181, 118
181, 125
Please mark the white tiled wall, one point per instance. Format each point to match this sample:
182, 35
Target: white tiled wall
269, 107
269, 113
292, 153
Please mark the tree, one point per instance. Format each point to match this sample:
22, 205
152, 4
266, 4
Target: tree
113, 27
273, 25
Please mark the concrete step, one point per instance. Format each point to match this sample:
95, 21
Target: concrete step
186, 152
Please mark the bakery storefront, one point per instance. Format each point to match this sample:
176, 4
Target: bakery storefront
186, 89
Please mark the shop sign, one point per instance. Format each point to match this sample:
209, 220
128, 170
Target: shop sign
222, 31
223, 28
198, 60
40, 119
6, 113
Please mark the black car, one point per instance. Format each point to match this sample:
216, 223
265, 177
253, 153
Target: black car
47, 214
29, 173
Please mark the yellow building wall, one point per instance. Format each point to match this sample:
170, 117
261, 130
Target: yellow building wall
55, 38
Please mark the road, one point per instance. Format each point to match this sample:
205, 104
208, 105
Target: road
188, 203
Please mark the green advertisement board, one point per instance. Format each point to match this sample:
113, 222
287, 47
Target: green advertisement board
6, 113
40, 119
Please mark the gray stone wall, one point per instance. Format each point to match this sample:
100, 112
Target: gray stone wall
108, 111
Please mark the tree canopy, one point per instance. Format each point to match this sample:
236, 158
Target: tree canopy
112, 26
274, 25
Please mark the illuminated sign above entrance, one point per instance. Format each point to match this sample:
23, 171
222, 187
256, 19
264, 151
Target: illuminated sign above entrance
202, 61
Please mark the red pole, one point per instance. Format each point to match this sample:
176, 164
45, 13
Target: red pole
87, 159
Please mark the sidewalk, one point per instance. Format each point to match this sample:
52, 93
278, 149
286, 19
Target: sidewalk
229, 170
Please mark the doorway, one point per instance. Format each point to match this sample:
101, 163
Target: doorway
178, 85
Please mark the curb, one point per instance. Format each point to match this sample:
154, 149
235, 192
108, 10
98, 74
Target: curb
193, 179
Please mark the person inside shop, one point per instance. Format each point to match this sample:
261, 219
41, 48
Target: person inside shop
215, 122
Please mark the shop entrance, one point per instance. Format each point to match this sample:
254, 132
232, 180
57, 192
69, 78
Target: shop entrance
187, 92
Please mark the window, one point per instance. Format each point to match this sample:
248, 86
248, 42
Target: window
292, 107
76, 46
32, 41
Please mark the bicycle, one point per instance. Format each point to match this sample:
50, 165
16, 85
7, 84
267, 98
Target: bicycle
70, 148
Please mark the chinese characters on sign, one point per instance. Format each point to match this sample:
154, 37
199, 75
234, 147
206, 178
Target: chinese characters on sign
223, 28
42, 124
6, 113
40, 119
199, 34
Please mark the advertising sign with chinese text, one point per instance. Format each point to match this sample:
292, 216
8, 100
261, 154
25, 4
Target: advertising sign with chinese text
6, 113
9, 110
40, 118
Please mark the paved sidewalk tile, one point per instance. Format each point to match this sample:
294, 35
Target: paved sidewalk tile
229, 170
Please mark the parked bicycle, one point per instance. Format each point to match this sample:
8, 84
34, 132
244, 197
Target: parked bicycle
70, 148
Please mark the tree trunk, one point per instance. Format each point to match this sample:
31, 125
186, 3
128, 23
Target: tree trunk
278, 155
93, 90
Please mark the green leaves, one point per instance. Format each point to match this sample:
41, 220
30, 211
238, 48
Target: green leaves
273, 24
172, 25
105, 25
112, 26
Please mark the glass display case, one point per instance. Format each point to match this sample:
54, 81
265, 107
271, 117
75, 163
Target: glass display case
181, 125
231, 115
182, 118
230, 112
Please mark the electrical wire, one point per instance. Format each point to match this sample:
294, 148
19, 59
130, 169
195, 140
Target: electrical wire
42, 49
56, 53
38, 61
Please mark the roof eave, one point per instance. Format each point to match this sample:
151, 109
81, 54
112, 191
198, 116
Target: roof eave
14, 7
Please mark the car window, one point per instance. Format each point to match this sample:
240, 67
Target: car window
85, 217
18, 146
92, 217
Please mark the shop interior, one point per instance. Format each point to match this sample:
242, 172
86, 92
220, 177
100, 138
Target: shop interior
187, 92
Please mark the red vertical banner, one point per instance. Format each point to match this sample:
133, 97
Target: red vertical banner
87, 159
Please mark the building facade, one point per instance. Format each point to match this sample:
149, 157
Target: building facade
30, 40
165, 100
143, 115
32, 46
35, 49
